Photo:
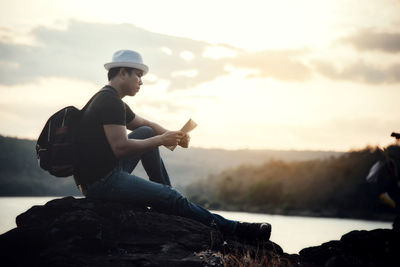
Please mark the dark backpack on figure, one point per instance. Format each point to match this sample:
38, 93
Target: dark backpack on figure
56, 145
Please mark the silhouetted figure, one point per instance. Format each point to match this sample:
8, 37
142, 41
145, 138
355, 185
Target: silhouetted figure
384, 176
107, 155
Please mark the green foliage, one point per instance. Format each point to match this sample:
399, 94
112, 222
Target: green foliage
335, 186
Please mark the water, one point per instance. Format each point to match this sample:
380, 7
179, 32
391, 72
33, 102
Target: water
292, 233
10, 207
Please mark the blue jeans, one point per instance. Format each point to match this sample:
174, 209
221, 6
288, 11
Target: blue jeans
120, 184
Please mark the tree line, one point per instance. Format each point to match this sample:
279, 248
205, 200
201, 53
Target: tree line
20, 174
334, 187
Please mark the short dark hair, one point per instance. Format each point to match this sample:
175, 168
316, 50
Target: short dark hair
114, 72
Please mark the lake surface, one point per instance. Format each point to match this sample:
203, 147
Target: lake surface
292, 233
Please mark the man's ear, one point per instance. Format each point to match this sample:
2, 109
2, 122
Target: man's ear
122, 73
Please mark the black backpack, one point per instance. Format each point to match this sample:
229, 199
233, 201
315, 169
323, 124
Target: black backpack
56, 145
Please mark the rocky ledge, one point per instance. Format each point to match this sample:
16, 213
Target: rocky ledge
82, 232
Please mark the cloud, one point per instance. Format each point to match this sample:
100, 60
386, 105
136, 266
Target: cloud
282, 65
369, 39
79, 52
360, 71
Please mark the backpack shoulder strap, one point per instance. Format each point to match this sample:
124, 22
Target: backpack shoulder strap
104, 89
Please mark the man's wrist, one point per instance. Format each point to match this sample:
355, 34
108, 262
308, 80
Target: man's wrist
159, 140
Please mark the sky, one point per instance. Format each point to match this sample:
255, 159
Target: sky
300, 74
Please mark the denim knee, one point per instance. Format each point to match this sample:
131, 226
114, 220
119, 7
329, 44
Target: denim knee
142, 132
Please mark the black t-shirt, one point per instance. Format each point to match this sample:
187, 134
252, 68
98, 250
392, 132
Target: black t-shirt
95, 157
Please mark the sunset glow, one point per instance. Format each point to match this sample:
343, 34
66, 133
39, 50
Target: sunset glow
321, 75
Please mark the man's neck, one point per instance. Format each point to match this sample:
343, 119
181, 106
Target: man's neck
117, 87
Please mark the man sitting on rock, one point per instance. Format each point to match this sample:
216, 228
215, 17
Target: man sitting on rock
107, 155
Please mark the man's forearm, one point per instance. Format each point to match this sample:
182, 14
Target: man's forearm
122, 146
133, 147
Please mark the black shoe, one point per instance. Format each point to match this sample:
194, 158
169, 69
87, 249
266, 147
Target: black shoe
260, 231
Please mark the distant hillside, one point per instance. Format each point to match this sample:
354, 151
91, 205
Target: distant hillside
21, 175
334, 187
187, 165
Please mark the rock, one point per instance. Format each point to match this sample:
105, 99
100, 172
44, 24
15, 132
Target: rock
82, 232
379, 247
396, 224
320, 254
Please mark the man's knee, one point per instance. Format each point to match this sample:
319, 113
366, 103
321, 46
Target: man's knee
142, 132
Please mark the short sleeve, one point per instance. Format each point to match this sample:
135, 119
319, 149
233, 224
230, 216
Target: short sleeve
129, 114
112, 110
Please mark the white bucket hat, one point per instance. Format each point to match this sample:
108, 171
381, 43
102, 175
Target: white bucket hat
127, 58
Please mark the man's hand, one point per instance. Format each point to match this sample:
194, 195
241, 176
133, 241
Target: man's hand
172, 138
185, 141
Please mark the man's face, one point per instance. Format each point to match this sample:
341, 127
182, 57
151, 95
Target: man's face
133, 82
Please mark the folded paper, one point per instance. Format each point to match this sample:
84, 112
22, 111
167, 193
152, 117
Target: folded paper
189, 126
